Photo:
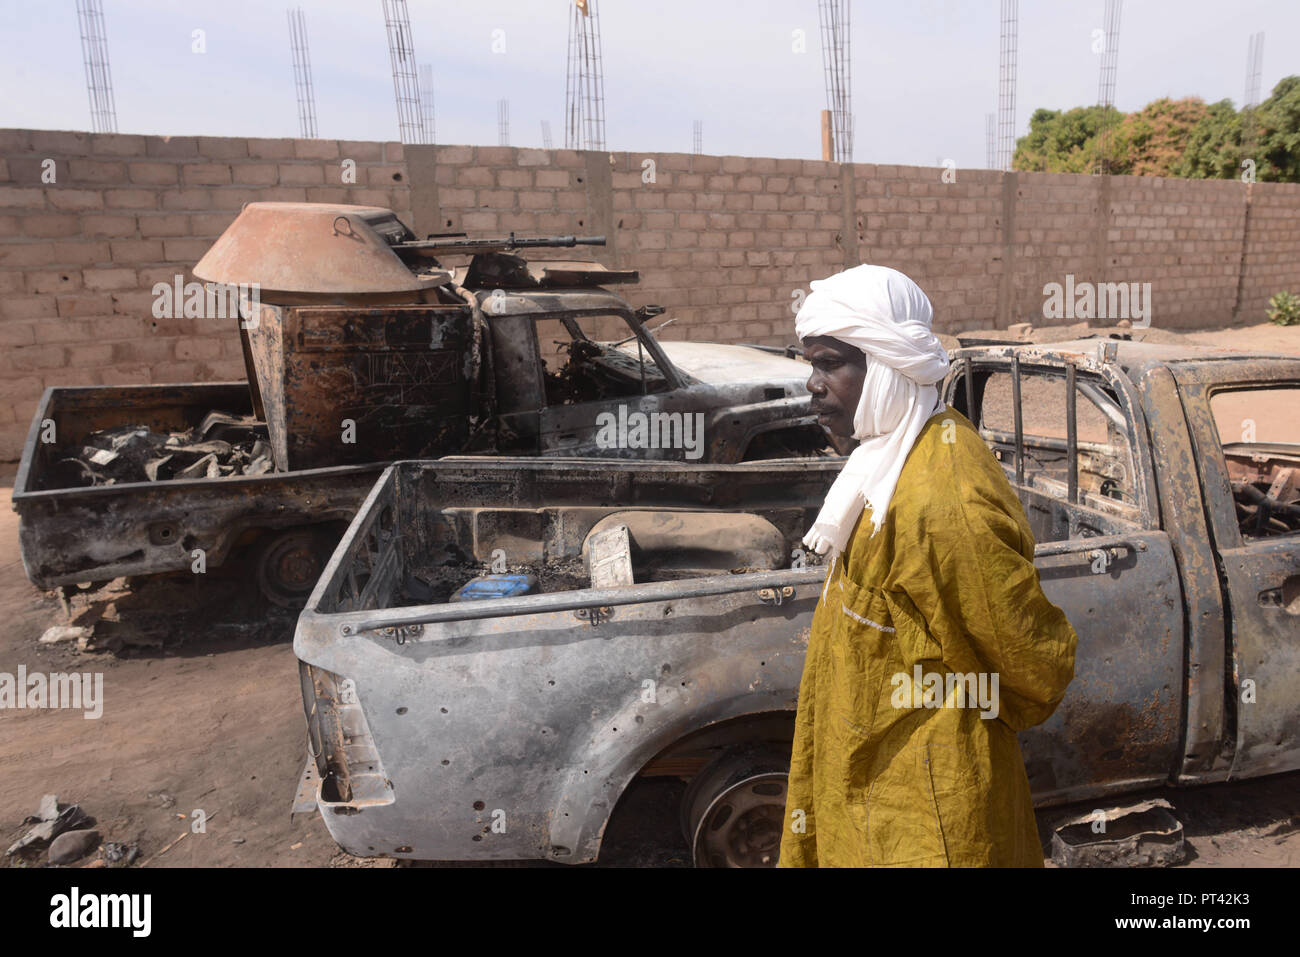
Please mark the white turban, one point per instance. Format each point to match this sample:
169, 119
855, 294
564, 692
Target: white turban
886, 315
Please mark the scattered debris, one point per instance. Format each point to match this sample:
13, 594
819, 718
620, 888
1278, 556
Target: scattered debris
164, 799
60, 633
72, 846
49, 808
149, 615
432, 583
1145, 834
51, 820
221, 445
609, 557
153, 465
345, 860
118, 854
205, 467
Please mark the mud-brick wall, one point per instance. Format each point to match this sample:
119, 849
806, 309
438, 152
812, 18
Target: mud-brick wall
1271, 255
721, 241
730, 244
946, 233
1185, 237
727, 243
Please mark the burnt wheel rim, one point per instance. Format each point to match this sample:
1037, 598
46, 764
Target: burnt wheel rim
289, 569
741, 826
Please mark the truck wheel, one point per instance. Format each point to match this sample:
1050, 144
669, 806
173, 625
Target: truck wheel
288, 564
734, 809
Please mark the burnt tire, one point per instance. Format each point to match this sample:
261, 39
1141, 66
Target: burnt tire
733, 812
288, 563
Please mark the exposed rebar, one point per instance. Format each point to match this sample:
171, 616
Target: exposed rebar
584, 84
1007, 84
302, 74
94, 53
837, 65
406, 87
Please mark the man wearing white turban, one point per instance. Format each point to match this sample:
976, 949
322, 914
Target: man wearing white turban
933, 642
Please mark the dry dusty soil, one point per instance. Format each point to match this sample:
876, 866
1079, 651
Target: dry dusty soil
203, 713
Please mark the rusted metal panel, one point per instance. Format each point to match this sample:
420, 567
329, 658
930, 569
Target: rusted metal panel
1118, 727
1183, 516
1140, 835
1261, 576
304, 799
70, 535
351, 384
314, 249
514, 361
94, 534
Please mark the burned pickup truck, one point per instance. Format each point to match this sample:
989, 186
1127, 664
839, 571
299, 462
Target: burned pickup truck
493, 655
364, 345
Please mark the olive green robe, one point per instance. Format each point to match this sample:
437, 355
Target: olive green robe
947, 584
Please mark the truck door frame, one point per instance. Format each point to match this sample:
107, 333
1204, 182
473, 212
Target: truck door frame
518, 387
1261, 737
1120, 726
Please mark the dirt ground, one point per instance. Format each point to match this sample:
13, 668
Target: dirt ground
203, 713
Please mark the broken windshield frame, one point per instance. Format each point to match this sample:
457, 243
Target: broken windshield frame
650, 354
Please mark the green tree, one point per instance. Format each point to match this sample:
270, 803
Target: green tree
1278, 120
1062, 142
1213, 148
1151, 142
1183, 137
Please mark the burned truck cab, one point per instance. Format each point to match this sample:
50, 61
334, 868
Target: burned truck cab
368, 344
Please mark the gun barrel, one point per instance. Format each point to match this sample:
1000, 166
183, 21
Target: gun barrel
510, 242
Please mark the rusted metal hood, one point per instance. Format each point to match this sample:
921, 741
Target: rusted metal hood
314, 248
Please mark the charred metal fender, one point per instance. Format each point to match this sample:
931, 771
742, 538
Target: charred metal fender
71, 535
548, 768
729, 431
68, 536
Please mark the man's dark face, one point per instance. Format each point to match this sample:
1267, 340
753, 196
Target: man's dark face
836, 382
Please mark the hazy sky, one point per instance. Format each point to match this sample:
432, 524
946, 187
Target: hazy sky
924, 72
